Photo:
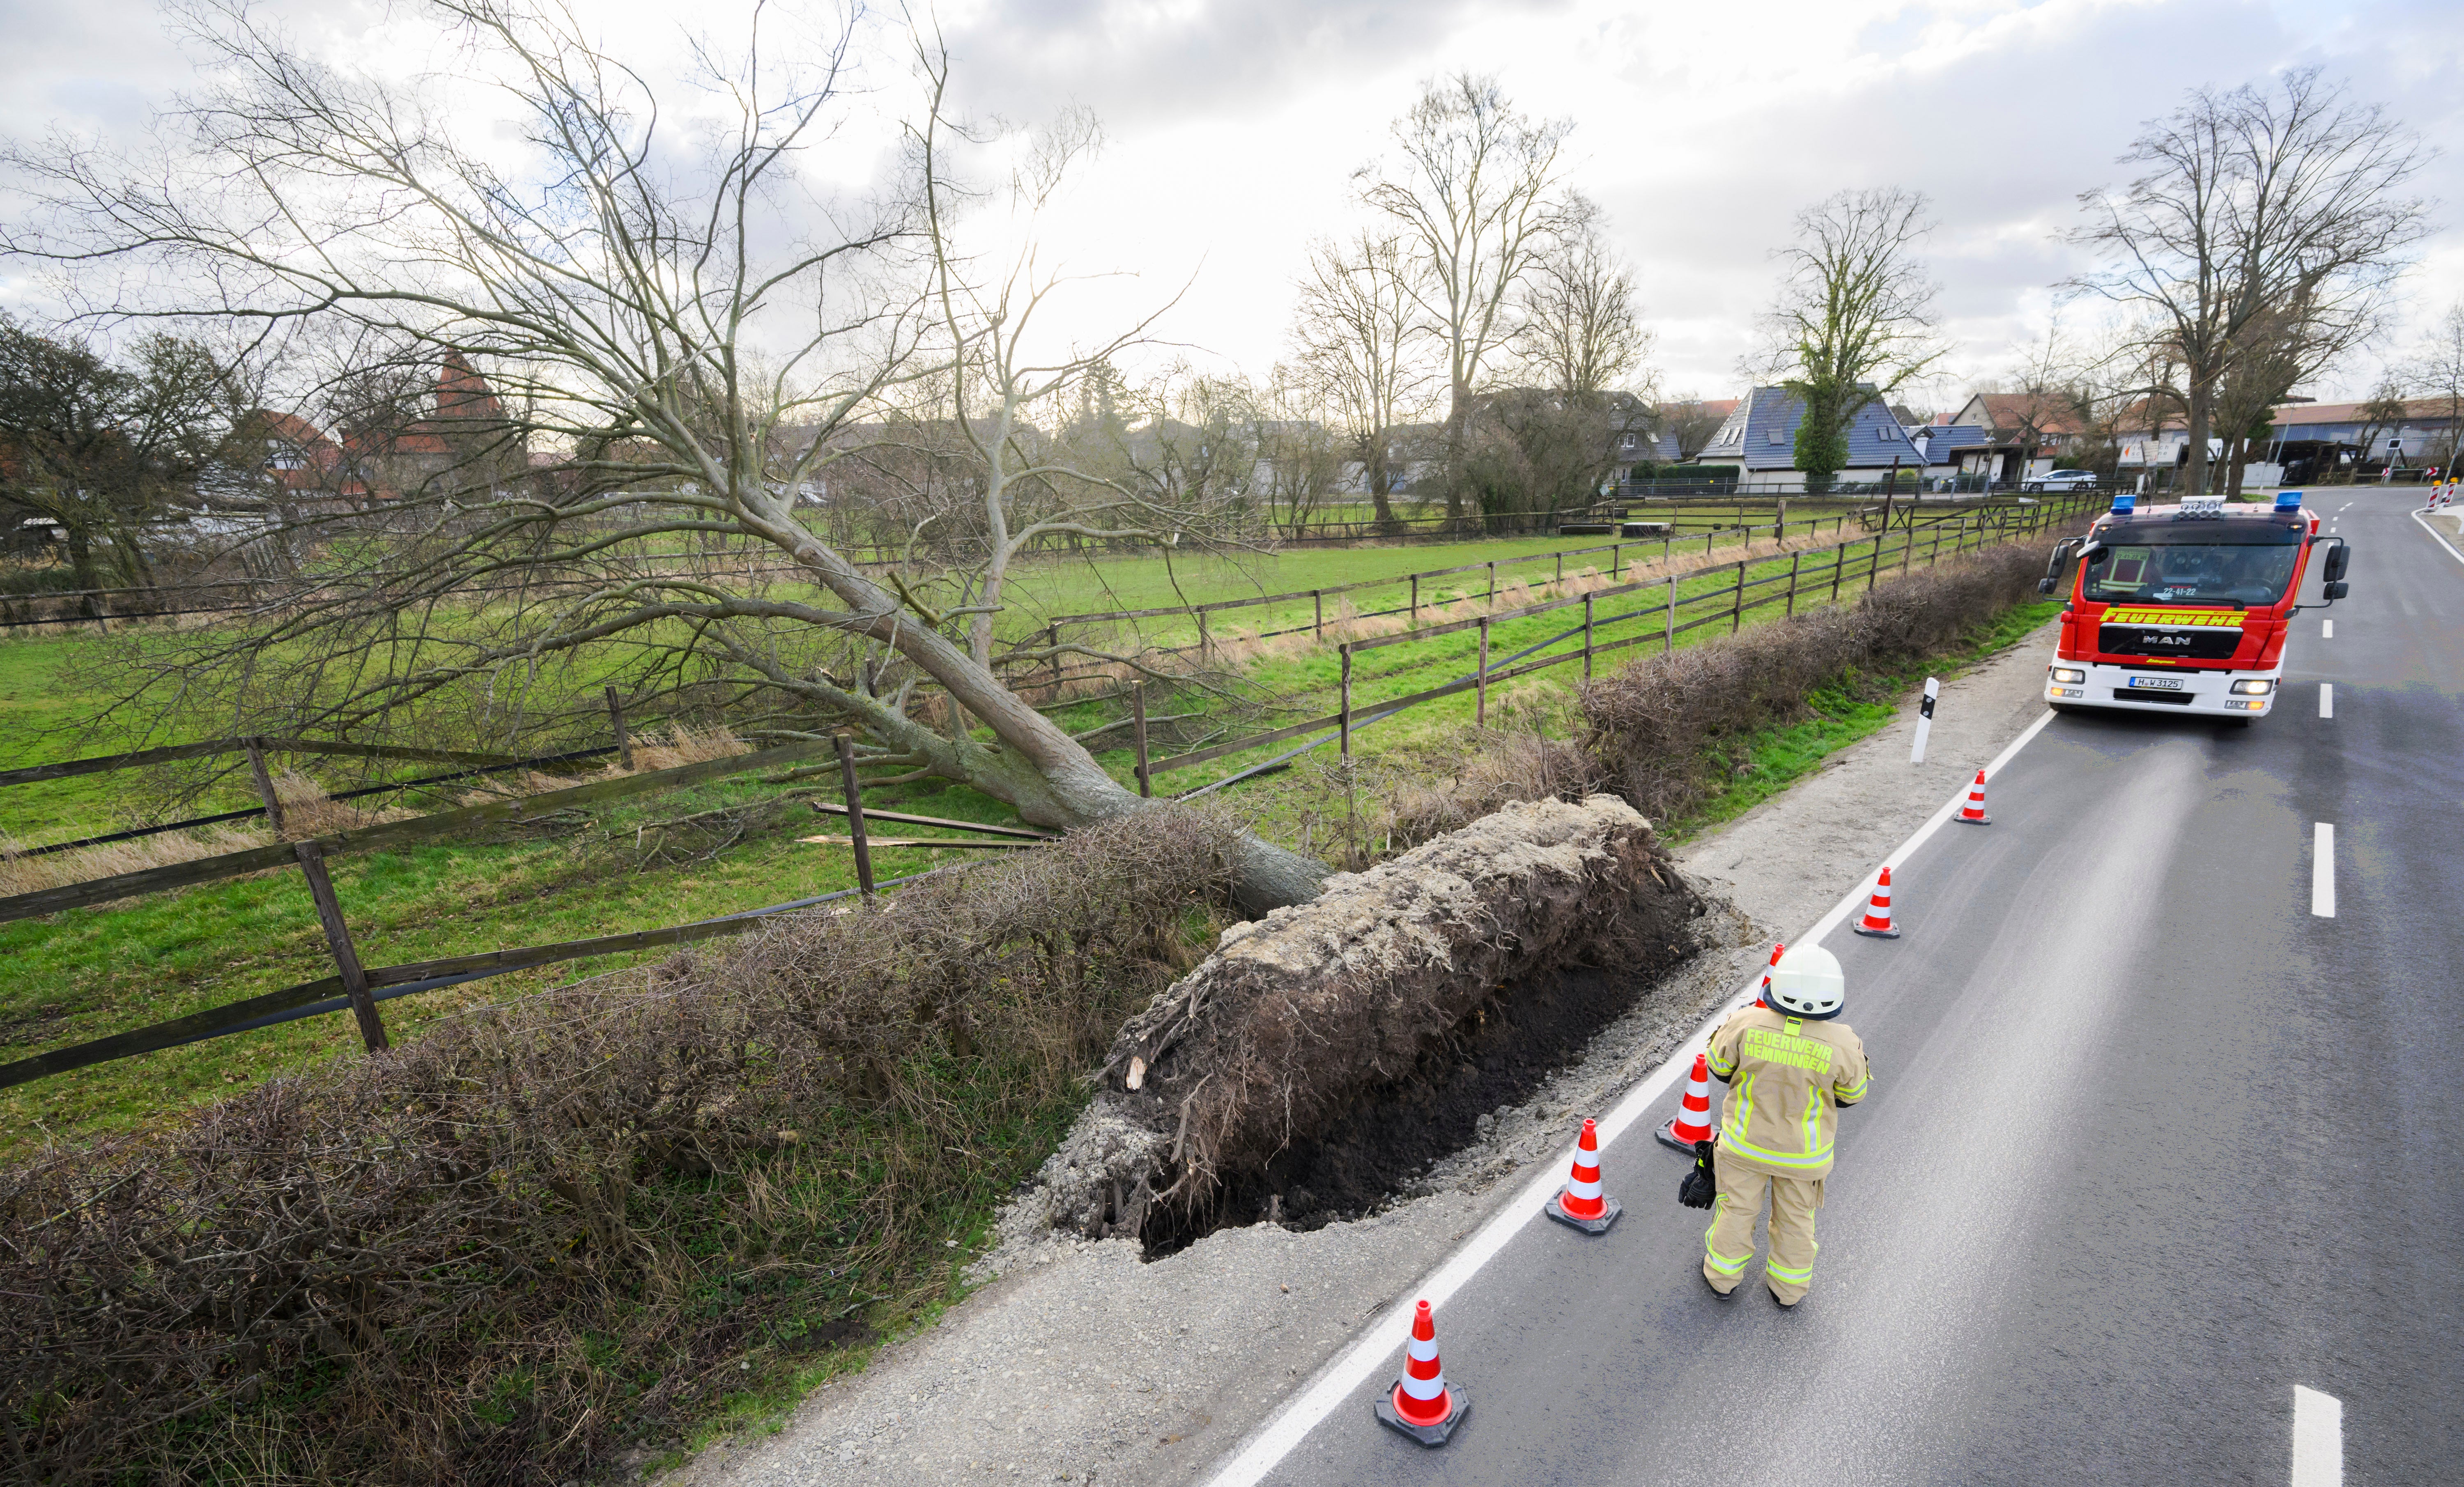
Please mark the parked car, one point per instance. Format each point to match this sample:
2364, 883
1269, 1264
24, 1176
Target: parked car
2062, 480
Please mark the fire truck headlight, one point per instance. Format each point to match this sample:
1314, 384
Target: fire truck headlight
2070, 674
2256, 689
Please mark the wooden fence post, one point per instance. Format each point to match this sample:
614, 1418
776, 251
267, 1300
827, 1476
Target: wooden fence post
1795, 559
1203, 652
1317, 598
1779, 527
1839, 565
265, 784
616, 721
1561, 567
855, 815
1343, 707
1415, 602
1138, 730
1492, 583
1480, 676
1874, 569
1587, 637
338, 939
1737, 605
1617, 562
1668, 631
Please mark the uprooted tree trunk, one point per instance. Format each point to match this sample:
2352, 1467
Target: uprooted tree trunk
613, 415
1299, 1018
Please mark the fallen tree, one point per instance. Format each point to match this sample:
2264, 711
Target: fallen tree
581, 392
1300, 1018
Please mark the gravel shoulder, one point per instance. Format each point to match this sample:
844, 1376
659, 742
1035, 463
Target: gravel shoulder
1078, 1361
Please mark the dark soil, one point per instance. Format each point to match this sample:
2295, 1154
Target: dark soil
1497, 1056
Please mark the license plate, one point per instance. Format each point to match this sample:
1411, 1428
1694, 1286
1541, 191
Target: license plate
2157, 683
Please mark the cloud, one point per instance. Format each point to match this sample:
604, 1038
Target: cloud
1234, 128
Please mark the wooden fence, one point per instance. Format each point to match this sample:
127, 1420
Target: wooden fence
1826, 573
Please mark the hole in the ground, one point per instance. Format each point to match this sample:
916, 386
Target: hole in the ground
1497, 1056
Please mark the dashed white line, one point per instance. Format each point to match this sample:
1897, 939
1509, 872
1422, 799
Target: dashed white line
2326, 699
2318, 1438
2326, 629
2322, 870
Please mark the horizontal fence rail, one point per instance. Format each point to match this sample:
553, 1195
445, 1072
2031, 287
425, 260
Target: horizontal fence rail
1863, 562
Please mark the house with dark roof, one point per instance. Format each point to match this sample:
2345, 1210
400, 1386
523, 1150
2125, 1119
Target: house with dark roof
1760, 438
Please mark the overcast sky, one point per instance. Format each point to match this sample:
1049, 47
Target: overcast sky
1234, 127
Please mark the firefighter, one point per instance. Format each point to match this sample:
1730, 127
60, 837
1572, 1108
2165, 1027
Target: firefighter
1788, 1067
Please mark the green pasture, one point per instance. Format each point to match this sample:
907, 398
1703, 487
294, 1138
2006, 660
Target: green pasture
87, 973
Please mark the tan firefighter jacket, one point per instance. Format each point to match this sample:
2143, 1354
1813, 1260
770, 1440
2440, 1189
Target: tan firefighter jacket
1786, 1079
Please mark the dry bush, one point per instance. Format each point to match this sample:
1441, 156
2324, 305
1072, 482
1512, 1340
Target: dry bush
1505, 768
307, 811
475, 1259
682, 745
23, 874
1656, 723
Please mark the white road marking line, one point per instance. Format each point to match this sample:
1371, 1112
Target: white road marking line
1381, 1336
2318, 1438
2326, 629
2323, 871
2326, 699
2449, 547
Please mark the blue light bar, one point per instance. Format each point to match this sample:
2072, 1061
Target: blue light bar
2288, 500
2124, 505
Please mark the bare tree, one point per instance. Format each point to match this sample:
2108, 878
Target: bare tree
2257, 210
694, 333
1469, 188
1577, 332
1300, 458
1853, 317
2437, 369
1692, 421
1360, 343
2383, 412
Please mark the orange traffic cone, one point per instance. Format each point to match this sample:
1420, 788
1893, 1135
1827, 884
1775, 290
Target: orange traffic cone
1878, 911
1421, 1404
1579, 1205
1694, 1122
1972, 814
1762, 992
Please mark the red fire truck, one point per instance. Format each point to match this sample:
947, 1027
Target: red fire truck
2184, 608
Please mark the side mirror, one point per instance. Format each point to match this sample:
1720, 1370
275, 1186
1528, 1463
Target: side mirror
2335, 589
2338, 558
2044, 585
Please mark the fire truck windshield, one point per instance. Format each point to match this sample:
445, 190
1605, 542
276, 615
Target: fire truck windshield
2208, 562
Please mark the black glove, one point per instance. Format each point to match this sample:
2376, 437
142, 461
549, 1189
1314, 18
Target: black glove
1700, 1186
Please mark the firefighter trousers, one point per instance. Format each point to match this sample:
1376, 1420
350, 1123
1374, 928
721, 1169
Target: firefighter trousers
1729, 1244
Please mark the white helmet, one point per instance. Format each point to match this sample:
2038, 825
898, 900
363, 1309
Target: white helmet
1807, 984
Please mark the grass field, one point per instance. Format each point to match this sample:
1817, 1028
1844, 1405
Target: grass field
87, 973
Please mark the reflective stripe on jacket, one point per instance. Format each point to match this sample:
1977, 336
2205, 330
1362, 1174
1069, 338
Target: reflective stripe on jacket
1786, 1079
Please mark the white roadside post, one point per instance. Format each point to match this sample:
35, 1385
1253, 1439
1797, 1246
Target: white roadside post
1925, 719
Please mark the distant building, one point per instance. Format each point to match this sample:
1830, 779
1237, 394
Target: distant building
1760, 438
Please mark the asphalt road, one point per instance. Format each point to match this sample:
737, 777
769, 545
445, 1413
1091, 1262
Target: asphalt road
2152, 1142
